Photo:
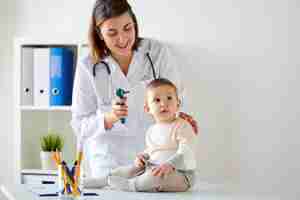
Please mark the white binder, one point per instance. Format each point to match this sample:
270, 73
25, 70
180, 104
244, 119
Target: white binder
27, 76
83, 51
41, 80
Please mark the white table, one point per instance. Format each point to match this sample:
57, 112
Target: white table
22, 192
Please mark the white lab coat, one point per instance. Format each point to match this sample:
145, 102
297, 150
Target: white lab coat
107, 149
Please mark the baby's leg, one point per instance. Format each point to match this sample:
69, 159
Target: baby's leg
128, 171
145, 182
174, 182
123, 171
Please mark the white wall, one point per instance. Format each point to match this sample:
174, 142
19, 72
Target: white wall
7, 21
242, 73
244, 78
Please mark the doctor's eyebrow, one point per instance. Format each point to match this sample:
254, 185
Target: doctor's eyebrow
128, 25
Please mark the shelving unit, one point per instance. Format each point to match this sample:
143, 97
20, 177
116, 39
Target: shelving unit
52, 108
32, 122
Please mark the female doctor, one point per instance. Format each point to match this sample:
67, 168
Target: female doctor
118, 58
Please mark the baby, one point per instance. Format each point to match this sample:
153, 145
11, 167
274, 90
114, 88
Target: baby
168, 163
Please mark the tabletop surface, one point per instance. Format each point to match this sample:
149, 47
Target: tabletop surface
208, 192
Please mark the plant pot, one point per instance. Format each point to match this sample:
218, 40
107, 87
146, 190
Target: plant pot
47, 161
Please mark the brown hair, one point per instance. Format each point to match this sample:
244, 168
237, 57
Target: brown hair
103, 10
160, 82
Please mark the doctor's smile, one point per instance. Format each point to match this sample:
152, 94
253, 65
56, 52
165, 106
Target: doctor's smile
119, 34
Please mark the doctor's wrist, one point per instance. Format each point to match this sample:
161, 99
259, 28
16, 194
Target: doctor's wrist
109, 120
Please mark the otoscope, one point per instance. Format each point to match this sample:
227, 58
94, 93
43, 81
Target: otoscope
121, 94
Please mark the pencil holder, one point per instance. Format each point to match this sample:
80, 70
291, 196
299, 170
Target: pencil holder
69, 181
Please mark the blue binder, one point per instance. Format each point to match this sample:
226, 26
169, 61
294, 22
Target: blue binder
61, 76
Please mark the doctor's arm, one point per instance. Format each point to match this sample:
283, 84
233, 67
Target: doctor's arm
87, 118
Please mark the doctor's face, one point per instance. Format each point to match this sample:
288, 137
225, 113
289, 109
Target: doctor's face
119, 34
163, 103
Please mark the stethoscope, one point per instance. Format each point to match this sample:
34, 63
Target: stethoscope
110, 92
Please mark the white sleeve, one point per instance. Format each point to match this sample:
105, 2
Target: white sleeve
87, 120
169, 68
184, 158
147, 141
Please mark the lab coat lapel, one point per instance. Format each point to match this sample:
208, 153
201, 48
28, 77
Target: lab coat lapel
137, 69
133, 66
119, 80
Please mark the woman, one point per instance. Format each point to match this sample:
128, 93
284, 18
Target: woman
118, 58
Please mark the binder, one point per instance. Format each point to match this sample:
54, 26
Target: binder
61, 76
84, 51
41, 60
27, 76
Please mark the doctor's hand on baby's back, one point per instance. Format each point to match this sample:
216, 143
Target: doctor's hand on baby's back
191, 120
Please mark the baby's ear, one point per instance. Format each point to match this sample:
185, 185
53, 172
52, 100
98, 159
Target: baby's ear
146, 108
179, 103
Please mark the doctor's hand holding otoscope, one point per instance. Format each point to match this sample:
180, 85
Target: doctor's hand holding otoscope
119, 109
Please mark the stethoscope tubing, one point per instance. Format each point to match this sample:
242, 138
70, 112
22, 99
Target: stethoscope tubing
110, 77
109, 71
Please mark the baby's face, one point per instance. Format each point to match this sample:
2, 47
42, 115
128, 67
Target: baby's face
163, 103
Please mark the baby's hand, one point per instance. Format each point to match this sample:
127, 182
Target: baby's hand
140, 160
162, 170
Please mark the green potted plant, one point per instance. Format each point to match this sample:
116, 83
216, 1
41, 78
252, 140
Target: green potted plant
50, 143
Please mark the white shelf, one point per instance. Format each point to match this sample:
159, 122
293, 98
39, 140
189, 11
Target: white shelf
31, 122
47, 41
39, 172
50, 108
